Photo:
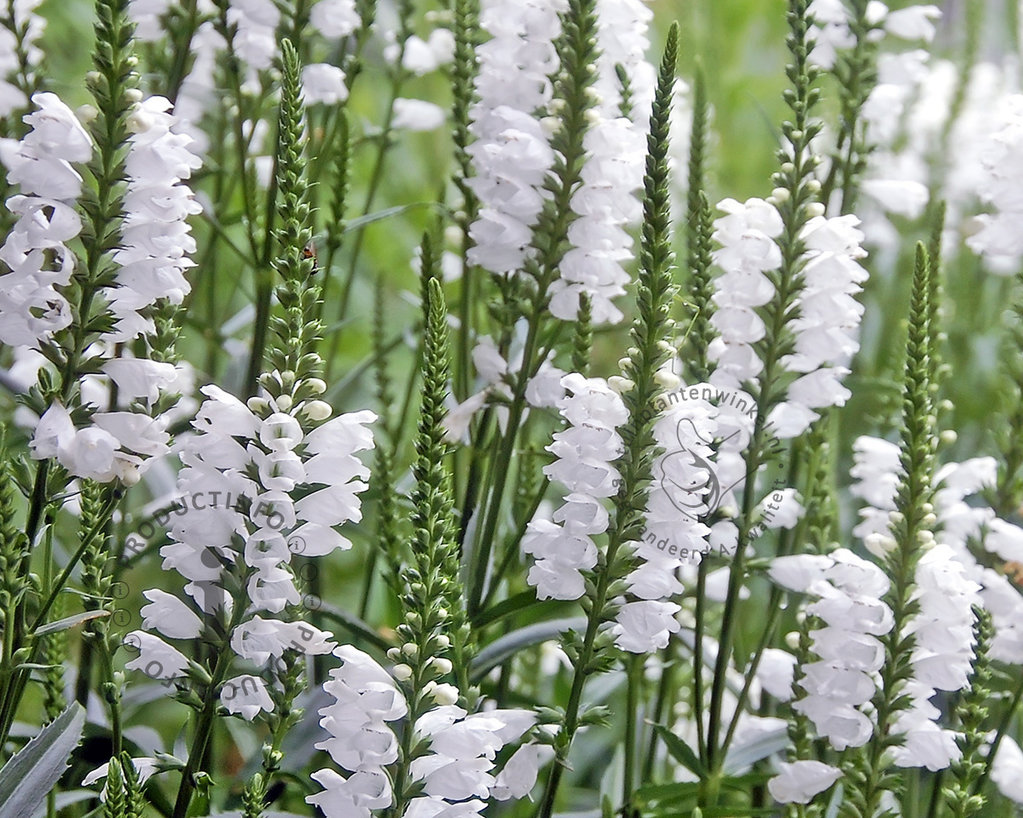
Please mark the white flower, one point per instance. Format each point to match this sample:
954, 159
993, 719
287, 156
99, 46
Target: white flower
901, 196
140, 377
417, 115
775, 673
324, 83
146, 15
144, 769
423, 56
747, 250
519, 773
246, 695
511, 154
800, 781
780, 509
334, 18
1007, 769
913, 22
170, 616
584, 453
256, 22
156, 658
645, 626
352, 797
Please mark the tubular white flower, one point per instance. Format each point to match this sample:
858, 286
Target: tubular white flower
942, 657
644, 626
246, 695
239, 474
156, 658
511, 154
146, 15
32, 305
334, 18
155, 237
169, 615
563, 547
29, 26
826, 329
840, 682
747, 250
800, 781
606, 202
322, 82
255, 40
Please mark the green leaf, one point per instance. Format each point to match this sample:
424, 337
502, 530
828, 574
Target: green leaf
671, 793
386, 213
69, 622
66, 799
511, 643
354, 625
514, 604
26, 779
762, 746
681, 751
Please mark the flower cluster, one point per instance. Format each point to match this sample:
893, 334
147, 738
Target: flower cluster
604, 205
684, 490
32, 306
606, 202
941, 660
152, 257
155, 237
746, 235
848, 591
365, 699
623, 41
456, 770
302, 483
563, 547
255, 23
832, 34
998, 235
826, 329
876, 472
511, 154
20, 30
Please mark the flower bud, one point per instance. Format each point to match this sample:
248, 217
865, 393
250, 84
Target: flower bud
441, 665
317, 410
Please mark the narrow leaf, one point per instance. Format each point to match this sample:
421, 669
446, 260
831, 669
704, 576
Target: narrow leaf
33, 771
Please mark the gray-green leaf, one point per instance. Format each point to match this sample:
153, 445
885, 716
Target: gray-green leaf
34, 770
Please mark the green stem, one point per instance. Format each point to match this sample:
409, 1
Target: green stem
207, 716
634, 686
